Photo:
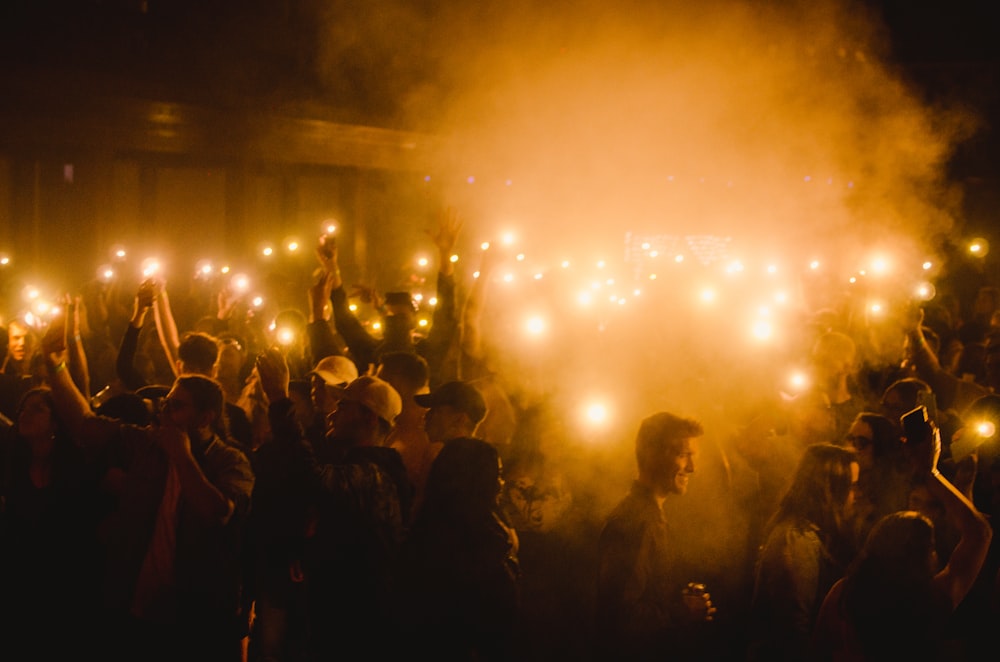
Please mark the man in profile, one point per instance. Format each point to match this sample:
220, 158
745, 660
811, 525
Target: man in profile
642, 607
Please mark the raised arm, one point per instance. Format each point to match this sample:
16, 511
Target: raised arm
966, 561
78, 366
166, 327
125, 363
360, 343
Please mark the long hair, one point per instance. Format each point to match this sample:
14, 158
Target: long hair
889, 595
819, 490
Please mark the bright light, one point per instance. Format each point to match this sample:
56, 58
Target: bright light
979, 247
535, 326
707, 295
453, 259
4, 260
652, 276
224, 270
433, 301
475, 274
422, 322
329, 226
654, 253
645, 245
636, 292
31, 293
150, 266
678, 259
485, 245
925, 291
761, 330
520, 257
105, 272
353, 307
508, 238
798, 381
771, 269
584, 298
927, 265
286, 336
600, 264
203, 268
986, 429
734, 267
118, 252
418, 297
879, 265
422, 262
267, 251
875, 308
852, 279
258, 301
595, 413
814, 264
240, 282
293, 246
376, 325
508, 278
780, 297
565, 264
538, 276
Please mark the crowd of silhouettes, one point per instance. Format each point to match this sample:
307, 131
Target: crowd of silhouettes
176, 482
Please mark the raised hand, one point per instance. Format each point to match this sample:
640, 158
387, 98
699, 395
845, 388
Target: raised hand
272, 373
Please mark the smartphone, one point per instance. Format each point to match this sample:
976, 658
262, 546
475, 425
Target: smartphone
916, 425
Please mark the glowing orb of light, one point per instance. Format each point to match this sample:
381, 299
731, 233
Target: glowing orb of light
986, 429
535, 325
927, 265
925, 291
258, 301
150, 267
286, 336
707, 295
761, 330
979, 247
267, 251
240, 282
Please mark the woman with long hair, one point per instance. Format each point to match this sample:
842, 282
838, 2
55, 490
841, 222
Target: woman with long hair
884, 481
895, 600
806, 548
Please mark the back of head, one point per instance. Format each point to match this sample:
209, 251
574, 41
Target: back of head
207, 396
464, 479
128, 408
198, 352
889, 595
406, 371
661, 433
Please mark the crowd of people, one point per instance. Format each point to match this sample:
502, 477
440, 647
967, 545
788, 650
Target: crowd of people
176, 482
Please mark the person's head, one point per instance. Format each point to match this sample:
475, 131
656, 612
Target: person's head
900, 546
197, 354
987, 300
465, 479
811, 418
196, 405
330, 374
665, 450
365, 413
35, 416
834, 356
873, 437
128, 408
902, 396
822, 488
454, 410
17, 340
406, 371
